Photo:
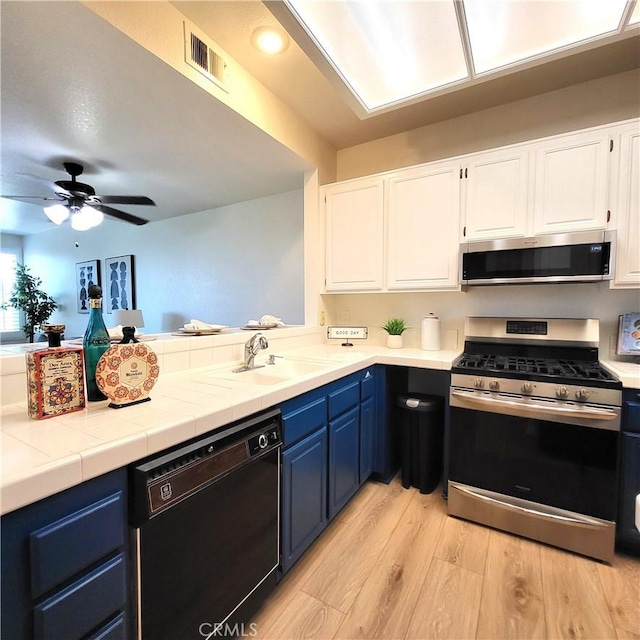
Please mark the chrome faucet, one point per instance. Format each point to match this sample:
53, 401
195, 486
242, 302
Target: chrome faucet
251, 348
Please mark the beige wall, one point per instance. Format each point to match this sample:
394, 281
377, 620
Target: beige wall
158, 27
584, 105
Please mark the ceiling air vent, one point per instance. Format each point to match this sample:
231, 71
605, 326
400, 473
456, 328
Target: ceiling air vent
202, 56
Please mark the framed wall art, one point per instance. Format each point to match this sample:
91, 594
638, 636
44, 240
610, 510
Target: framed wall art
87, 273
119, 290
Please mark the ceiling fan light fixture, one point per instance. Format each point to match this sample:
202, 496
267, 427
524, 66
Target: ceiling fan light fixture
84, 218
91, 214
57, 213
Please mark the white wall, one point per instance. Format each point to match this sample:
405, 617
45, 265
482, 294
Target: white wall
588, 300
226, 266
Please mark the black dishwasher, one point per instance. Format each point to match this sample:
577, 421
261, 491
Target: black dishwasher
206, 525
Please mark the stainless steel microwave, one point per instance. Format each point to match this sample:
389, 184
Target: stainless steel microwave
585, 256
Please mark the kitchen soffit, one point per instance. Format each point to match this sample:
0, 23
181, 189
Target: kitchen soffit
390, 54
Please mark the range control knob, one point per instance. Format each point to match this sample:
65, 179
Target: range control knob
582, 394
527, 388
494, 385
263, 440
562, 392
478, 383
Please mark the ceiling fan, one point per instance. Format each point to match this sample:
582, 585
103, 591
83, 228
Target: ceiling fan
85, 208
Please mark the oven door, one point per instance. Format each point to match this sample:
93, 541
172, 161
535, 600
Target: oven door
539, 458
534, 474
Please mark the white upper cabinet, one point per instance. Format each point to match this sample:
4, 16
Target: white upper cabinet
423, 214
401, 230
354, 218
627, 211
571, 180
496, 194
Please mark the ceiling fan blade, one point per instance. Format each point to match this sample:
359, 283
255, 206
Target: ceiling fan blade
126, 200
119, 215
28, 198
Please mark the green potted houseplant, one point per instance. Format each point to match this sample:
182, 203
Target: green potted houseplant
27, 296
395, 327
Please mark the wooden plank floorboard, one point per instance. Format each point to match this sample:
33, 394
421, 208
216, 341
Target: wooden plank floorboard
338, 582
304, 617
393, 565
464, 544
621, 583
512, 603
387, 599
448, 605
574, 599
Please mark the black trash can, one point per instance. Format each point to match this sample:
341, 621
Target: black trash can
422, 425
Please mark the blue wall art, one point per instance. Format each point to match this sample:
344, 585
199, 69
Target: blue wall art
118, 291
87, 273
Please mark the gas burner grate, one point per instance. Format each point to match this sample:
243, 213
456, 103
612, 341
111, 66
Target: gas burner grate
569, 369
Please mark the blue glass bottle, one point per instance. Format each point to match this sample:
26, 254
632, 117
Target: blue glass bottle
95, 343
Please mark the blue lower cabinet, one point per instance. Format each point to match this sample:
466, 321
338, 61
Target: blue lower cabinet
627, 533
328, 451
113, 630
304, 495
344, 459
65, 564
367, 438
75, 610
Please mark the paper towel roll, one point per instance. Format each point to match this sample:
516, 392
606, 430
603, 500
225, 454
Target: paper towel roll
431, 333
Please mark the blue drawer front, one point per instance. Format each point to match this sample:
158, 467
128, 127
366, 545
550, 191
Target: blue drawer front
367, 385
83, 605
303, 421
632, 417
114, 630
344, 399
62, 549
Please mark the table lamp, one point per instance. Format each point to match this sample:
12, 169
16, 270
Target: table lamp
130, 319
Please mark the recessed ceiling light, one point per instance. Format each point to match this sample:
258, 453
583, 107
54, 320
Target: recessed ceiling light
270, 40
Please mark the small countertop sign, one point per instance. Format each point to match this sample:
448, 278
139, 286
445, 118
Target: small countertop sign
347, 334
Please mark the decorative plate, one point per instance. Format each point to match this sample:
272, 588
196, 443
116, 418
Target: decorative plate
217, 328
126, 373
259, 327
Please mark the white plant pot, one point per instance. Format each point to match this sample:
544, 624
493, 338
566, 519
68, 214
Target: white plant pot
394, 342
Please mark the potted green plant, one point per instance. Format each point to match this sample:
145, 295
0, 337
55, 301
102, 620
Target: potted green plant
27, 296
395, 327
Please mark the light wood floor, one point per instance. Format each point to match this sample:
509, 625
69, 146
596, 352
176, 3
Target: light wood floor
393, 565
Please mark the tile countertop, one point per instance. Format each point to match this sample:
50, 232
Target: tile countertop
42, 457
627, 372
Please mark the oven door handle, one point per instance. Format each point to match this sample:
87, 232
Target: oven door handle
525, 409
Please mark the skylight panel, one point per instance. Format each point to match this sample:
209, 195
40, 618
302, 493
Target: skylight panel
635, 16
504, 32
387, 52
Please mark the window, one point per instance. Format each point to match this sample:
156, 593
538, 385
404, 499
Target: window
11, 319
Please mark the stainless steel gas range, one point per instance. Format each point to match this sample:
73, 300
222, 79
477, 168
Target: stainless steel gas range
534, 431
